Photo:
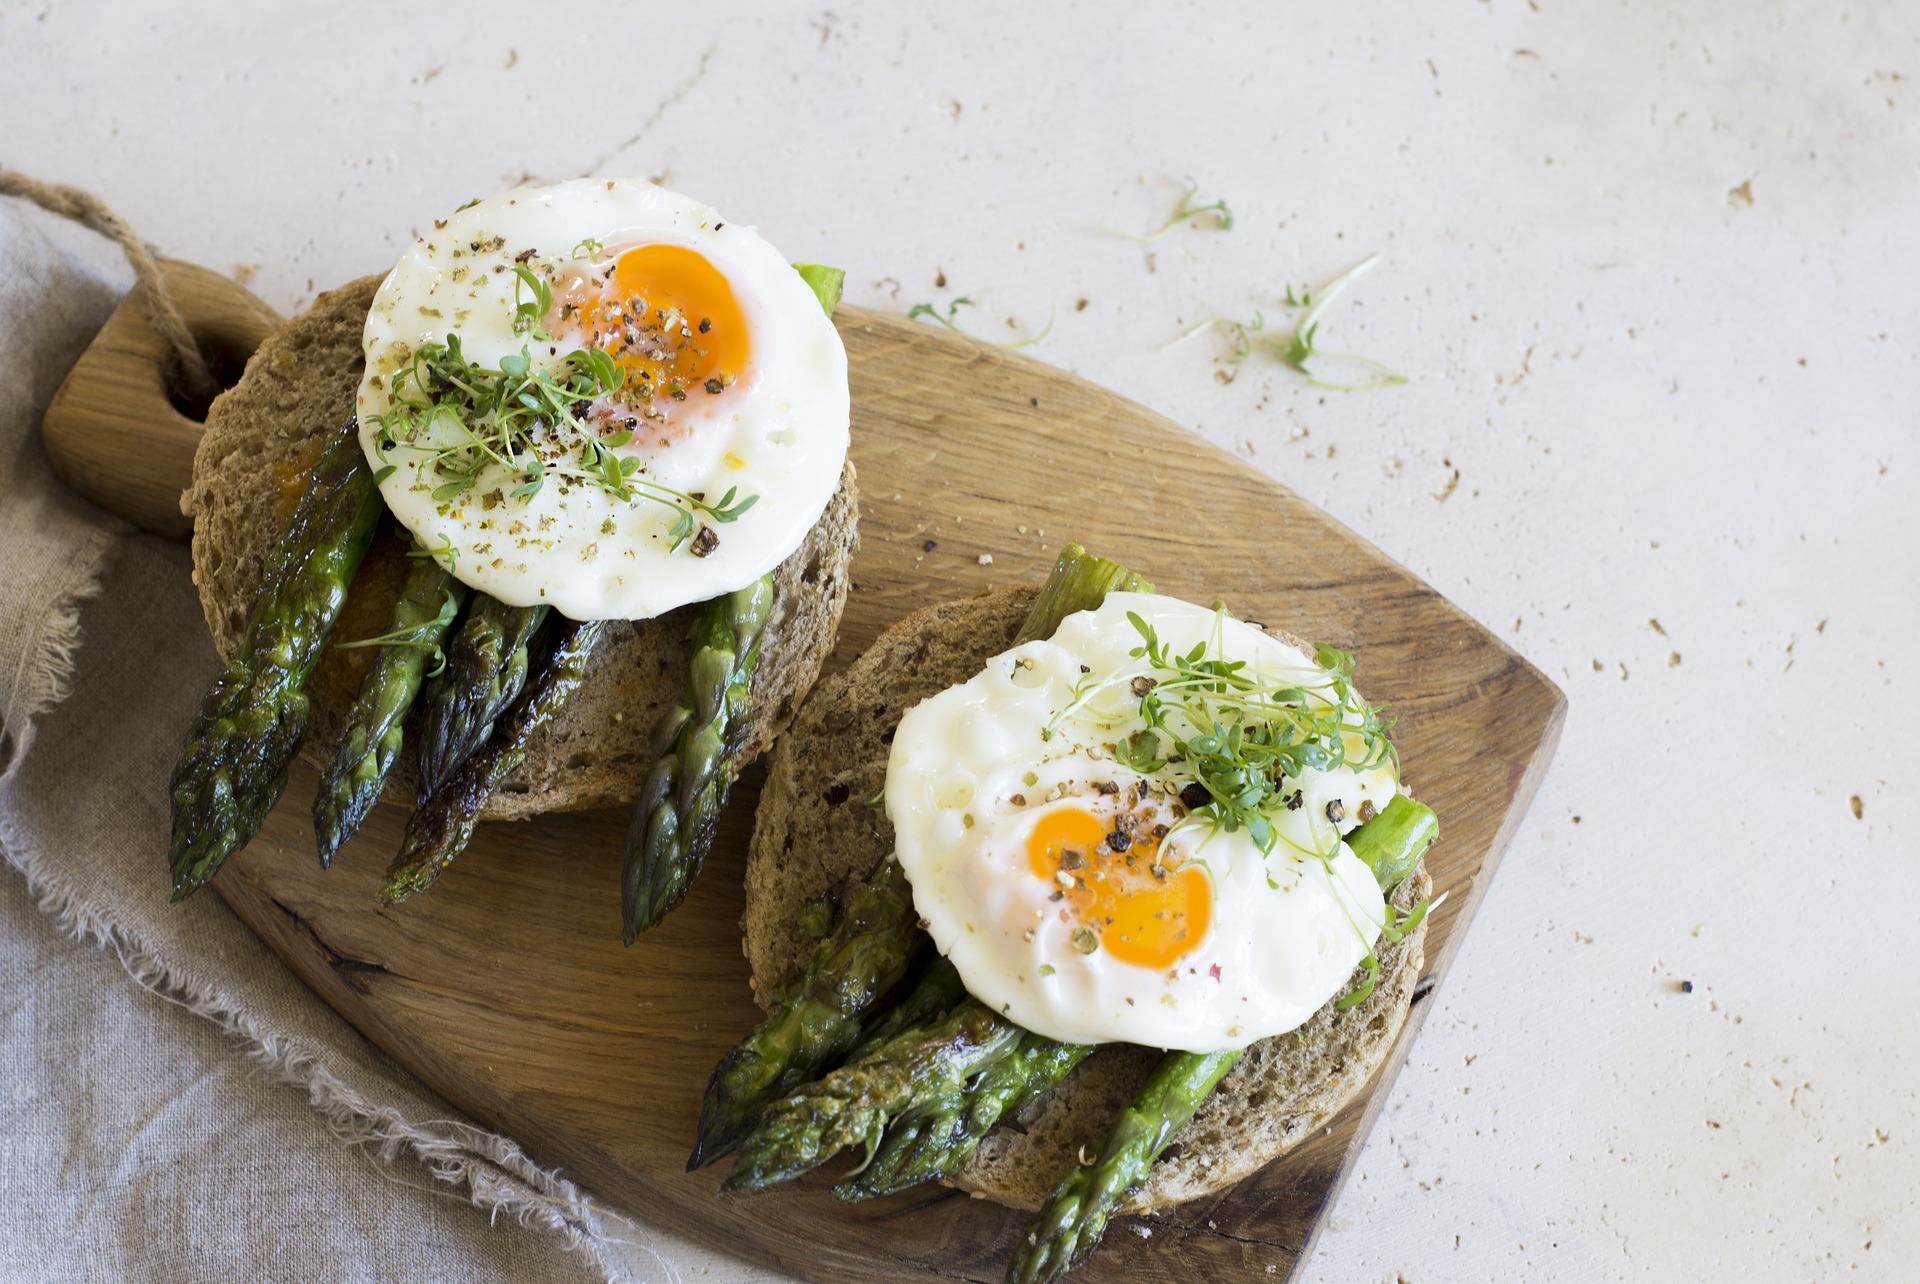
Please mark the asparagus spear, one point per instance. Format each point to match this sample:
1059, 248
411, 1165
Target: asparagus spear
1393, 842
1073, 1219
930, 999
936, 1137
818, 1016
233, 765
696, 741
819, 1012
674, 816
421, 618
1079, 582
486, 668
441, 826
852, 1105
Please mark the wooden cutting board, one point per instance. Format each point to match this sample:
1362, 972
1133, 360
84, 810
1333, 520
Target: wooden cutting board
506, 988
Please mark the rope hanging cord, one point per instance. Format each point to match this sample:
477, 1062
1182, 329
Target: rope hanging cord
190, 366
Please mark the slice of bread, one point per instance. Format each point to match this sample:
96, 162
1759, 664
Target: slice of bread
262, 436
815, 836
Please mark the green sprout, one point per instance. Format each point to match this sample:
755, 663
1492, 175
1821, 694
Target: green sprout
1239, 736
462, 418
1186, 212
948, 320
1299, 349
412, 637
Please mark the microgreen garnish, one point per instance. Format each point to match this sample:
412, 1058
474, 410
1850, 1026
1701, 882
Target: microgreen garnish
411, 637
928, 311
463, 418
446, 549
1241, 736
1299, 349
1186, 212
530, 315
1394, 926
588, 249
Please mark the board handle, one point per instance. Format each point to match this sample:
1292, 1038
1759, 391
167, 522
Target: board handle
115, 431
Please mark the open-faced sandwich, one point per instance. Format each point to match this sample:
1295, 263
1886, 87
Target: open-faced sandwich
558, 514
1125, 870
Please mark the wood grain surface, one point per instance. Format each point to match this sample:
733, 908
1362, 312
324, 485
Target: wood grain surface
506, 987
115, 405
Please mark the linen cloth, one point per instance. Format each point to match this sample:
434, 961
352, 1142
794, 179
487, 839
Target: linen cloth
212, 1119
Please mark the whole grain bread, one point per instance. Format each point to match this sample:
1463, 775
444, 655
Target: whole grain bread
815, 836
261, 438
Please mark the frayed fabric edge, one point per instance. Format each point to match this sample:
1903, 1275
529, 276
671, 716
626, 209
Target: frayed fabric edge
499, 1177
46, 664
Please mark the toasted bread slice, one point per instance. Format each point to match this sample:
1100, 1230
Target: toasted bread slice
816, 835
261, 438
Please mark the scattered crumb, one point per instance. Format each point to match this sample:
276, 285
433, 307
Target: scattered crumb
1144, 1232
1599, 667
929, 546
1854, 803
1080, 305
1699, 928
986, 559
1673, 660
1820, 627
939, 279
1453, 483
245, 272
1576, 820
1655, 626
513, 58
1684, 987
1741, 195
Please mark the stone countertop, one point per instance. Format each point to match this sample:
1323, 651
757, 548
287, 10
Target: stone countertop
1649, 271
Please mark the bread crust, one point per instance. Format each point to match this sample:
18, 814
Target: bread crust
262, 436
816, 836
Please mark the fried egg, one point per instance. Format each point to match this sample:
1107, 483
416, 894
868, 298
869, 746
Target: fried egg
684, 453
1080, 896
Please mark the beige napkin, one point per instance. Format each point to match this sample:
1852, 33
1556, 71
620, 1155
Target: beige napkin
187, 1124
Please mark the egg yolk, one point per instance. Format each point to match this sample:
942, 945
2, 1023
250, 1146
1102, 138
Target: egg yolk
1138, 916
668, 316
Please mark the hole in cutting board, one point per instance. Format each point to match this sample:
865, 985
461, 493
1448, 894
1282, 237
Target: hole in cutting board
226, 355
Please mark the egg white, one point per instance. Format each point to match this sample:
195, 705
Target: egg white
779, 432
971, 774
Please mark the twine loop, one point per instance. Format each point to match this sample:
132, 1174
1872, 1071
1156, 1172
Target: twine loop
193, 376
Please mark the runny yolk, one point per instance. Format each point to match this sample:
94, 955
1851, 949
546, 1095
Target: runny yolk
668, 316
1138, 917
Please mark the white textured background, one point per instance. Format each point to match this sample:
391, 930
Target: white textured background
1653, 271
